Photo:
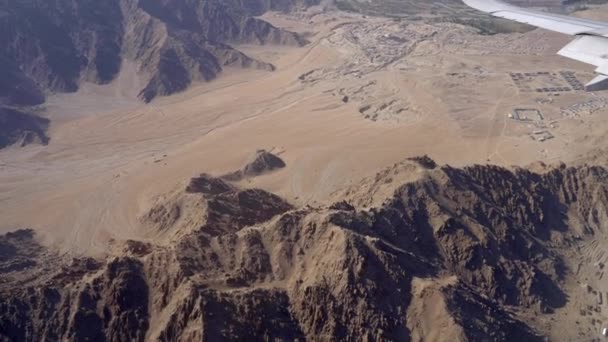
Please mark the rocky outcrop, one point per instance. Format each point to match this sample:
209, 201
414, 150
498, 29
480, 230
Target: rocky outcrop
262, 162
474, 249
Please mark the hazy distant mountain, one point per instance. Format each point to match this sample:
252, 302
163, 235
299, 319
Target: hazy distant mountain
55, 45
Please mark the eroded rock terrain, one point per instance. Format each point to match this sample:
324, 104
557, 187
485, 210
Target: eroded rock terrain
462, 252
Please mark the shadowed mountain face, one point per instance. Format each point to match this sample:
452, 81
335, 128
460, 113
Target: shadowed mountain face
21, 128
54, 42
471, 250
53, 46
16, 88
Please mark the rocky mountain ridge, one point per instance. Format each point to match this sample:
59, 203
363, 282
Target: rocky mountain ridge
475, 248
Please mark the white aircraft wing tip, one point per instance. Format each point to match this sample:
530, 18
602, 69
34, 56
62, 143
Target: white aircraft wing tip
488, 6
589, 47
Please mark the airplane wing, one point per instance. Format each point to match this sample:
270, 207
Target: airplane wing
591, 37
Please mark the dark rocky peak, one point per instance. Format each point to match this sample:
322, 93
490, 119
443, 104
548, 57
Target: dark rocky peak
261, 162
208, 185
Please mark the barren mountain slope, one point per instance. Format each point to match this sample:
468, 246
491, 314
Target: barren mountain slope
51, 47
56, 45
463, 254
